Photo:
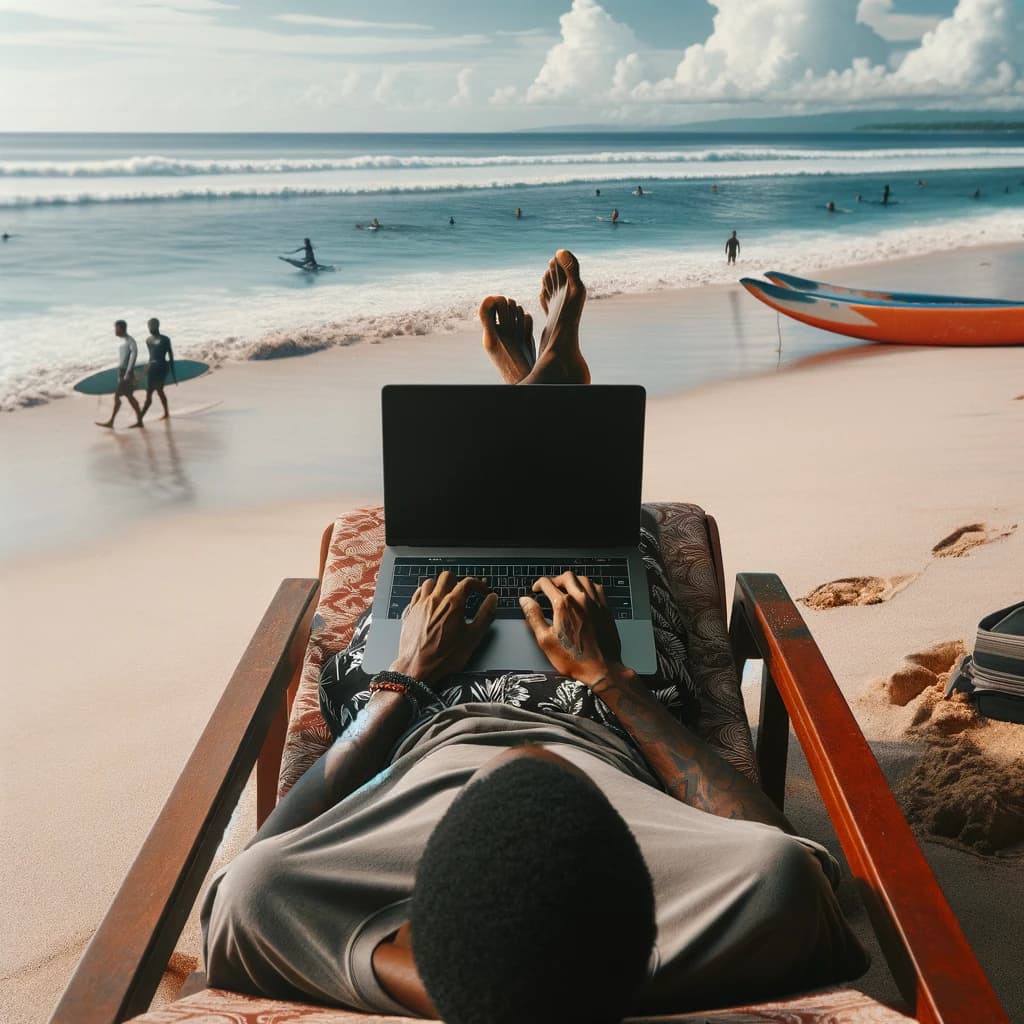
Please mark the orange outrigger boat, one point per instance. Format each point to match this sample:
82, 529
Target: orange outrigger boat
894, 317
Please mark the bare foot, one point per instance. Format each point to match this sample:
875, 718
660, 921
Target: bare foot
508, 337
562, 297
137, 423
109, 424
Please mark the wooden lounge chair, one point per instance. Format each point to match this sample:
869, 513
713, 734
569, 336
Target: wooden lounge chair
268, 717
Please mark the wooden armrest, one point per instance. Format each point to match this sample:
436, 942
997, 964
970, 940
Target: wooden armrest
931, 961
121, 968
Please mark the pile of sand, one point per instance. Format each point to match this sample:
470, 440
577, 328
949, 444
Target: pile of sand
856, 590
966, 787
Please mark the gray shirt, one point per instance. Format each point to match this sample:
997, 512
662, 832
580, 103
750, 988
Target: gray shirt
740, 906
129, 353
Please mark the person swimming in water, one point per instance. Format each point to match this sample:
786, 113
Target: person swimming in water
615, 216
519, 213
374, 223
830, 206
451, 221
639, 190
309, 259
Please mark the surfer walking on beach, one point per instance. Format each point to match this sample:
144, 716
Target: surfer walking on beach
732, 248
161, 358
128, 353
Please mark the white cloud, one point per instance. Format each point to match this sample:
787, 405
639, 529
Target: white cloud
759, 47
585, 60
320, 21
979, 49
463, 92
808, 52
896, 28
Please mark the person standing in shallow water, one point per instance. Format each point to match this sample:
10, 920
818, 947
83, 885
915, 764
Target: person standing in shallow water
129, 353
732, 248
161, 357
885, 196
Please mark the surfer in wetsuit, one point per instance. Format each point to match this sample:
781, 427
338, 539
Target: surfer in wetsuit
885, 196
129, 353
639, 190
309, 259
161, 358
732, 248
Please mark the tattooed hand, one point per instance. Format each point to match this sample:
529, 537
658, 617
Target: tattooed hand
581, 641
436, 639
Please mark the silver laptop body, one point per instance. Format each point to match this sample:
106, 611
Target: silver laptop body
510, 483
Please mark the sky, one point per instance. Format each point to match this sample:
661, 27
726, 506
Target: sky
477, 65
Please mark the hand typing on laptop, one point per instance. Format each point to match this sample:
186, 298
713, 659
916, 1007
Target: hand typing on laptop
440, 633
437, 638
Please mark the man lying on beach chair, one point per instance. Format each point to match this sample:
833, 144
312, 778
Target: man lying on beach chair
494, 863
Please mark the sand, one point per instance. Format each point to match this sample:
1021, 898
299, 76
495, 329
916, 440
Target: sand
134, 573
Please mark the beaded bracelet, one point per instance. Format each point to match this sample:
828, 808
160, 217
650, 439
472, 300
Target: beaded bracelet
419, 693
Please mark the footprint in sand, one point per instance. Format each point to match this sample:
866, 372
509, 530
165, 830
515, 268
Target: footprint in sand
856, 590
973, 535
967, 787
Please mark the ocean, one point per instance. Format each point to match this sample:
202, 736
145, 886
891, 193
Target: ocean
189, 227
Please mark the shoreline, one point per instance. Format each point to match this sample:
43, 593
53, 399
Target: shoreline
287, 333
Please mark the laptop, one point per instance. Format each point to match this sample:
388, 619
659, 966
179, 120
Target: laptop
510, 484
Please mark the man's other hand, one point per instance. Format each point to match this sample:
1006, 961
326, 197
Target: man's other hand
436, 639
581, 640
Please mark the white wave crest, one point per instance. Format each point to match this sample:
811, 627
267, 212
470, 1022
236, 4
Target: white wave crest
146, 166
52, 192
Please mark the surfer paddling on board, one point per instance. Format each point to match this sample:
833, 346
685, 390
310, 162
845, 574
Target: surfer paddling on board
129, 353
161, 358
732, 248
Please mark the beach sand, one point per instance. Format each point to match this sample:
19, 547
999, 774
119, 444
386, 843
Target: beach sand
136, 568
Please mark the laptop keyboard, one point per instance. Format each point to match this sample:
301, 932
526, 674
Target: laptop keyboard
510, 578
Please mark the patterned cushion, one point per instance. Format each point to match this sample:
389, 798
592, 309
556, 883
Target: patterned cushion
350, 576
214, 1006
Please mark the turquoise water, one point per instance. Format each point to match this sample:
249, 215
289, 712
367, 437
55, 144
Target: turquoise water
188, 227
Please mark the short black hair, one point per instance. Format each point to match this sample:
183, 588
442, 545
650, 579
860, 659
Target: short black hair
532, 903
121, 323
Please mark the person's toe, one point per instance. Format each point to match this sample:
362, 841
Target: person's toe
487, 309
568, 264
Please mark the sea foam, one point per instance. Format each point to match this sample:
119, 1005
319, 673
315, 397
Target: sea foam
279, 324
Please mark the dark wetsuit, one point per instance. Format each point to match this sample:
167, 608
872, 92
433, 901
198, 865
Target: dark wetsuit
159, 350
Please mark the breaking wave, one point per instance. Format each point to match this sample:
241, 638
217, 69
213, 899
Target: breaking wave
165, 166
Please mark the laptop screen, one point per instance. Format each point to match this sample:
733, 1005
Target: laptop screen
505, 466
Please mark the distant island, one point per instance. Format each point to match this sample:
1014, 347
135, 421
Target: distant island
945, 126
896, 120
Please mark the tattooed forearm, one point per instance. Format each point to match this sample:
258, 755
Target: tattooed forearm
688, 768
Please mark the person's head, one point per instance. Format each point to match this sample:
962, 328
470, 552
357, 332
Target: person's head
154, 325
532, 901
734, 234
120, 328
306, 241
